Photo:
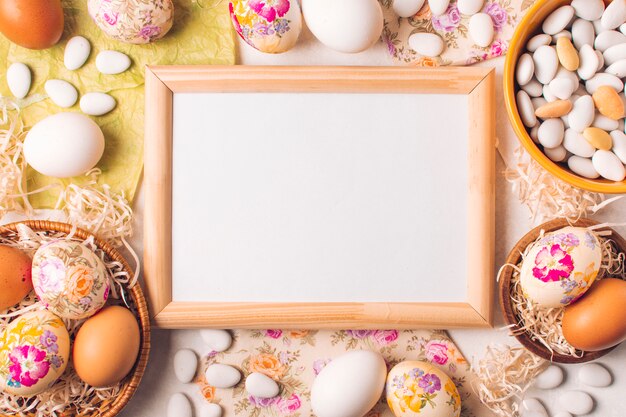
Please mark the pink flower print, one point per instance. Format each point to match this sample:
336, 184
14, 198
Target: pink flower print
110, 18
273, 333
430, 383
567, 240
262, 402
290, 405
552, 264
499, 48
498, 15
319, 364
437, 352
448, 21
51, 276
49, 341
269, 9
360, 334
385, 337
28, 365
150, 32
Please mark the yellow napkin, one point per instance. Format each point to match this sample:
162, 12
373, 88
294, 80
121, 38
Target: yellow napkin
201, 35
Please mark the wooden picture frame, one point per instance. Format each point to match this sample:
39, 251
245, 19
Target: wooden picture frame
162, 82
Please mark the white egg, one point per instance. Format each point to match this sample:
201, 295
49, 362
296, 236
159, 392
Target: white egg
350, 385
344, 25
561, 267
64, 145
407, 8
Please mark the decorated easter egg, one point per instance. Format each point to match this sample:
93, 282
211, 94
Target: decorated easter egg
70, 279
34, 351
133, 21
416, 388
271, 26
561, 266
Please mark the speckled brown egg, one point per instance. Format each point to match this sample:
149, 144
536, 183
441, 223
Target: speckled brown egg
15, 276
33, 24
106, 347
598, 320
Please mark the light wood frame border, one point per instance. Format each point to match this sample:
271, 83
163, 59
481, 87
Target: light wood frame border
162, 82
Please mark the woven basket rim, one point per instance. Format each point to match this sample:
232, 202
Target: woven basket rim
131, 382
505, 290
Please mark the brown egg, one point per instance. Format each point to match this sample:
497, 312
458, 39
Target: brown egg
15, 276
106, 347
33, 24
598, 320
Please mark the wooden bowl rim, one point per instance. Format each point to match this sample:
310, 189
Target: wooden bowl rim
504, 285
517, 43
131, 382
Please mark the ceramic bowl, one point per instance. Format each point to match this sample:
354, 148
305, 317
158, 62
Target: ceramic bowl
527, 28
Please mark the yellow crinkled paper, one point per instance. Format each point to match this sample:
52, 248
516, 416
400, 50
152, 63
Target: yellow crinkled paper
201, 35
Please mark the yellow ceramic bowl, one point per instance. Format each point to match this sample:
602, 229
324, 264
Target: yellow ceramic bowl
528, 27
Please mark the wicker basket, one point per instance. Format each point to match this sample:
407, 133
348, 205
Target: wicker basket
138, 307
505, 291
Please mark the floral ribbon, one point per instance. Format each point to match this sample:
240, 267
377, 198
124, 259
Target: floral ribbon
452, 27
295, 358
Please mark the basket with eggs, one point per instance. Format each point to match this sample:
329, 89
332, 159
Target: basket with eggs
562, 291
74, 327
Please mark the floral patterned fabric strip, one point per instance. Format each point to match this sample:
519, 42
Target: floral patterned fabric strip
452, 27
294, 358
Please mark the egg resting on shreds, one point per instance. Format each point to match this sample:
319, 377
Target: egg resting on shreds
70, 279
561, 267
34, 352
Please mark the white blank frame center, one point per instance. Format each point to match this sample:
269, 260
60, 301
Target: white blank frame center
319, 197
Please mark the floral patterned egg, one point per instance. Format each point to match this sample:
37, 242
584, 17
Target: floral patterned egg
70, 279
133, 21
271, 26
561, 267
416, 388
34, 350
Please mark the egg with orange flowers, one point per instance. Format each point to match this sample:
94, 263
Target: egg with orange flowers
70, 279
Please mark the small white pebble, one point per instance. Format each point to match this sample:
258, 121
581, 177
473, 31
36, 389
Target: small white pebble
551, 378
261, 386
76, 53
614, 15
546, 63
19, 79
537, 41
97, 104
595, 375
217, 340
576, 402
575, 143
427, 44
211, 410
62, 93
582, 167
557, 154
558, 20
588, 9
112, 62
526, 109
582, 33
481, 29
222, 376
185, 365
438, 7
551, 133
619, 144
179, 406
525, 69
588, 62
